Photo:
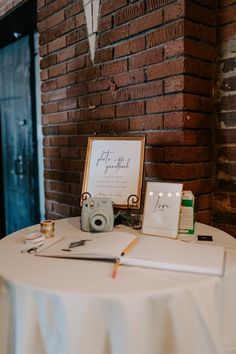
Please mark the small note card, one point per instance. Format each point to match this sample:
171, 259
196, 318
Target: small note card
162, 209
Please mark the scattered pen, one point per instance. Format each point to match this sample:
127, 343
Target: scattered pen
115, 268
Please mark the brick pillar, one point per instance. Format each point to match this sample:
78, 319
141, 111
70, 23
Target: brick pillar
225, 194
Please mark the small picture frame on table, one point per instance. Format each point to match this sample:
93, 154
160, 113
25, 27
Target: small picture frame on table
162, 209
114, 169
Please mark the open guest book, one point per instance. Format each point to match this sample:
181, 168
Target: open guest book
141, 251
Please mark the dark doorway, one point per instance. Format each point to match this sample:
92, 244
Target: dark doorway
18, 144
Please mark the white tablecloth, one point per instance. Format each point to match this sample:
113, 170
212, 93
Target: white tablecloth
65, 306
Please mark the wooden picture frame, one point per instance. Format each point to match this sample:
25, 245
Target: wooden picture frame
114, 169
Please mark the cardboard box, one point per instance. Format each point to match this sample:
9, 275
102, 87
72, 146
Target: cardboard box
186, 220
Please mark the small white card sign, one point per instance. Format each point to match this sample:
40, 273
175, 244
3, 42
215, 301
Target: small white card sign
162, 208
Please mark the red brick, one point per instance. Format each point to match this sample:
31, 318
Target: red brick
90, 73
90, 101
227, 153
120, 95
165, 138
153, 122
199, 31
130, 109
79, 89
199, 68
226, 15
197, 85
48, 61
129, 78
153, 154
128, 13
198, 50
165, 104
49, 85
51, 152
66, 80
61, 209
227, 32
203, 217
47, 36
59, 141
129, 47
56, 118
171, 171
113, 36
65, 54
76, 36
188, 154
200, 13
65, 27
50, 108
76, 64
165, 34
174, 11
174, 84
146, 90
103, 55
105, 23
70, 103
57, 44
68, 129
144, 23
99, 85
200, 186
203, 202
174, 48
197, 103
54, 95
225, 136
189, 120
45, 11
146, 58
111, 5
155, 4
114, 68
57, 70
165, 69
223, 3
73, 9
81, 48
103, 112
51, 21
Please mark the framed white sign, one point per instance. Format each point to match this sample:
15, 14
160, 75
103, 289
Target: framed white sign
162, 209
114, 169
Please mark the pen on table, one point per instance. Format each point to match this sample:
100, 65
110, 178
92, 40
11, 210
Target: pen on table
129, 247
117, 262
115, 268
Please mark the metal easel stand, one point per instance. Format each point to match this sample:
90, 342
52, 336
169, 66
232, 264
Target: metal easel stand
123, 215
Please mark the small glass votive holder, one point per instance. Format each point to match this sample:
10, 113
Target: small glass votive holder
47, 227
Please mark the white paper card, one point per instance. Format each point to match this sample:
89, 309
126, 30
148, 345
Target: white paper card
162, 208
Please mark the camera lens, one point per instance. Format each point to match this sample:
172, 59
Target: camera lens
98, 222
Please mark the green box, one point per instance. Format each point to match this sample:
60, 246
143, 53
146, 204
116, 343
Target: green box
186, 220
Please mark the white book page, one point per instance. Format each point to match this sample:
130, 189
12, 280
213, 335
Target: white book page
169, 254
103, 245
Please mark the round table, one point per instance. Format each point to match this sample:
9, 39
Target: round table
68, 306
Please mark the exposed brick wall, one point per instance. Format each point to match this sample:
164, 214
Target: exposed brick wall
152, 76
225, 195
8, 5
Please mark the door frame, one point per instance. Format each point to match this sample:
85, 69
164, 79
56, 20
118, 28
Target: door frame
22, 21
